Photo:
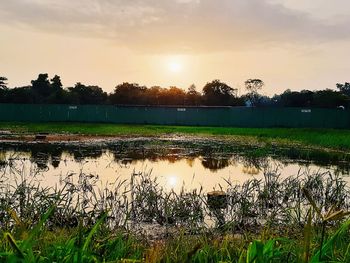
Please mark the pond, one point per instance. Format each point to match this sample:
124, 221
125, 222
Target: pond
176, 163
145, 183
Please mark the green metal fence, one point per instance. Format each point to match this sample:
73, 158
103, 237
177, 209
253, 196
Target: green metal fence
201, 116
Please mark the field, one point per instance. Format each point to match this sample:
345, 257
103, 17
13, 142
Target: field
299, 218
324, 138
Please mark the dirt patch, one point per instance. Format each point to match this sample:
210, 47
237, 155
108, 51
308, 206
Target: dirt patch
83, 138
54, 138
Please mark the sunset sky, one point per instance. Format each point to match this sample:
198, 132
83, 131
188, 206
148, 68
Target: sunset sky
290, 44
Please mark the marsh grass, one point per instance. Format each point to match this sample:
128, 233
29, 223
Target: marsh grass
301, 218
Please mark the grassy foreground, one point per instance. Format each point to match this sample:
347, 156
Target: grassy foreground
328, 138
305, 221
97, 244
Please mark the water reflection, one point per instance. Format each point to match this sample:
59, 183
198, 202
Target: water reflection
214, 164
41, 159
251, 170
174, 163
172, 181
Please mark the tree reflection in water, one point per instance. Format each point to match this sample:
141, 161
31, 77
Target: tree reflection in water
213, 155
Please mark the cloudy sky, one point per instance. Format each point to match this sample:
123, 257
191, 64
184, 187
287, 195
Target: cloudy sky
290, 44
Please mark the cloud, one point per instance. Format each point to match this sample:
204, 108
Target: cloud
174, 25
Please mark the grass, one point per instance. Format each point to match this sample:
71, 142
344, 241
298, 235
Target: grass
324, 138
97, 244
301, 218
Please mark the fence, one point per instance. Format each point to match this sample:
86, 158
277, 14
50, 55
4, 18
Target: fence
200, 116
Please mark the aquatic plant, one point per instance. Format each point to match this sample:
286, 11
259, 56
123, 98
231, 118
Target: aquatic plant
292, 219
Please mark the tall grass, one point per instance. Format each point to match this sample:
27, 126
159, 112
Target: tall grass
275, 219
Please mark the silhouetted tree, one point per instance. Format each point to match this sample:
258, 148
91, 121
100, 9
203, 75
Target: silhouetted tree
344, 88
56, 83
3, 89
253, 86
296, 99
153, 96
3, 84
172, 96
265, 101
193, 97
217, 93
128, 93
58, 94
41, 88
3, 96
329, 99
82, 94
20, 95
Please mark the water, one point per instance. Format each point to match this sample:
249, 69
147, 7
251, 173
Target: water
176, 164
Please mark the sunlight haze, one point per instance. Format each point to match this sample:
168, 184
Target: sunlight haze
288, 44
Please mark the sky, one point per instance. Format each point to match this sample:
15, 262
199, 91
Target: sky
289, 44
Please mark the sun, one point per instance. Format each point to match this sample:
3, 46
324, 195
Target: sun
175, 66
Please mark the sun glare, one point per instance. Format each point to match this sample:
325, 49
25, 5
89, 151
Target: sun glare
175, 66
172, 181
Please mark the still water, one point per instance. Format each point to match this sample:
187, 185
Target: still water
176, 164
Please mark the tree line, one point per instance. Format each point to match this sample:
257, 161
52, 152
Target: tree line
45, 90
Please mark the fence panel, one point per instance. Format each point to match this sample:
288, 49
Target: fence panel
195, 116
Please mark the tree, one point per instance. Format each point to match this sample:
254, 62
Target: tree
253, 86
20, 95
296, 99
83, 94
173, 96
329, 99
3, 84
344, 88
42, 84
193, 97
128, 93
153, 96
217, 93
42, 89
56, 83
58, 95
3, 89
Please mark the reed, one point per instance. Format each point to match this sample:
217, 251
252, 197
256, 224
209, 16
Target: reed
299, 218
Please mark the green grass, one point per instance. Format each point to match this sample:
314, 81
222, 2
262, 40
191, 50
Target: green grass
328, 138
98, 244
305, 220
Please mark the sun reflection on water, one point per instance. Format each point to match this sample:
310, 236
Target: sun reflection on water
172, 181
